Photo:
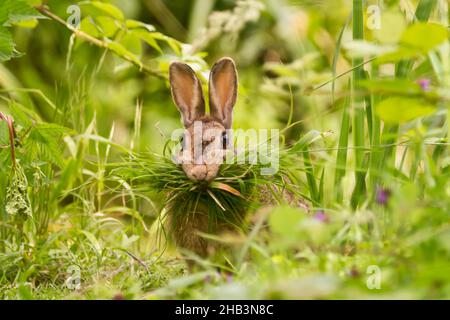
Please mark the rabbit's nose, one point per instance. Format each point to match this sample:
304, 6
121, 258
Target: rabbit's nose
199, 172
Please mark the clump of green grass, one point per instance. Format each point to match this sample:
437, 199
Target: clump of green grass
238, 187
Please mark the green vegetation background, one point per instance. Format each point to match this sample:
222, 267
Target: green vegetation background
367, 107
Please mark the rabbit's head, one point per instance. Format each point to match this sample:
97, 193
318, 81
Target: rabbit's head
205, 137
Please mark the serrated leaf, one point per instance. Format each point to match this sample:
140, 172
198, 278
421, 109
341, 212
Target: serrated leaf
44, 138
400, 109
12, 11
6, 45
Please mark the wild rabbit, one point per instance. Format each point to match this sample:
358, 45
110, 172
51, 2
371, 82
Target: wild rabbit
202, 132
205, 142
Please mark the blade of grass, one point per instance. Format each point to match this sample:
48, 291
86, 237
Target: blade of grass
336, 53
403, 68
358, 107
341, 157
375, 142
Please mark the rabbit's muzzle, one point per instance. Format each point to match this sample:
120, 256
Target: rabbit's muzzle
203, 150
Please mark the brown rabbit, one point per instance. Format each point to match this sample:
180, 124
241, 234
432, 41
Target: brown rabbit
188, 96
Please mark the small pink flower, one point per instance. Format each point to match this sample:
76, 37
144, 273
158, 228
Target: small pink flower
383, 196
424, 83
321, 216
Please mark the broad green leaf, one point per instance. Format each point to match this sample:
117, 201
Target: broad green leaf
26, 23
12, 11
400, 109
123, 52
135, 24
87, 26
97, 8
392, 26
399, 86
173, 44
107, 26
424, 36
34, 2
132, 43
401, 53
147, 37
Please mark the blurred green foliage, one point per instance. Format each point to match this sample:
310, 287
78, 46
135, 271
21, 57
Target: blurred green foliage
371, 111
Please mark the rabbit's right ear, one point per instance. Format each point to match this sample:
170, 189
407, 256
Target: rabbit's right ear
186, 92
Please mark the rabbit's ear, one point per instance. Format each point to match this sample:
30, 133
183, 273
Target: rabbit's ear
223, 85
186, 92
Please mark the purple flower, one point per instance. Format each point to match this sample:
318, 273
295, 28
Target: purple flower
383, 196
424, 84
321, 216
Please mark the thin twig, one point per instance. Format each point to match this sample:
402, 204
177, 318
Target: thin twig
97, 42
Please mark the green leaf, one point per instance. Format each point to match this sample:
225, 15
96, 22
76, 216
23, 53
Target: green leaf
45, 139
6, 45
392, 26
401, 53
106, 25
399, 109
424, 36
135, 24
131, 43
173, 44
123, 52
397, 86
87, 26
97, 8
148, 38
12, 11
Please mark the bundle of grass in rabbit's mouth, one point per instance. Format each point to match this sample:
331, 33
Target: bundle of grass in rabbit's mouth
227, 197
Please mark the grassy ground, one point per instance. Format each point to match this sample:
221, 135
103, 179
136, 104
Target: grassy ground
364, 117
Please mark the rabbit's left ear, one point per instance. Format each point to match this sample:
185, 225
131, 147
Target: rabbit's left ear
223, 84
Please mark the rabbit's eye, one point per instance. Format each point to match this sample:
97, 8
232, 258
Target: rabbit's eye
224, 140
